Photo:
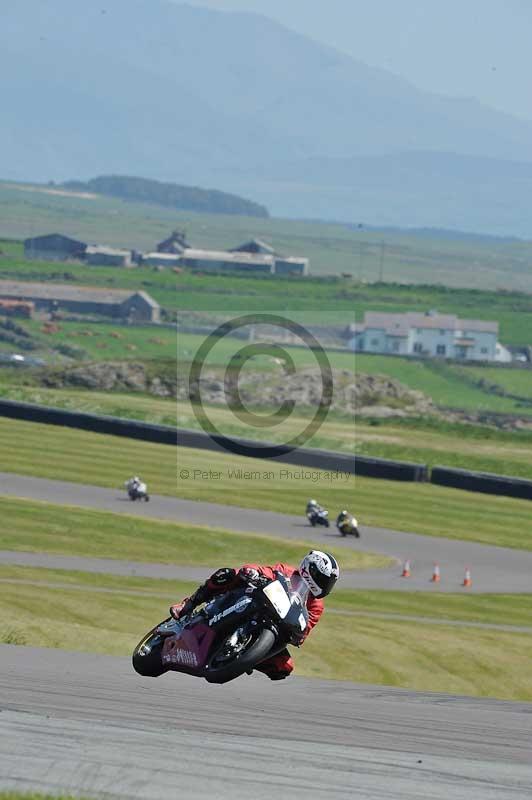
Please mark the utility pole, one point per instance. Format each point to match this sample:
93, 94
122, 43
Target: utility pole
381, 264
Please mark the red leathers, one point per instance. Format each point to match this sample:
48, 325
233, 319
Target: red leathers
224, 580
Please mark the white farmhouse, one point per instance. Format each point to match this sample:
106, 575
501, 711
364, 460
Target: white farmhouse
430, 334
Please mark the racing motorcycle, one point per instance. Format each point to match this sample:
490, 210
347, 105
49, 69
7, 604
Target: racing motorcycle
319, 516
138, 492
349, 527
231, 634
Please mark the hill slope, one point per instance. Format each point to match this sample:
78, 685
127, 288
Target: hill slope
170, 195
203, 97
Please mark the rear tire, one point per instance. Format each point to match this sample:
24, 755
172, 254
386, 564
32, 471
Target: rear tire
256, 653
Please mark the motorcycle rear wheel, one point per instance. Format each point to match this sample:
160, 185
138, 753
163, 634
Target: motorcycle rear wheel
253, 655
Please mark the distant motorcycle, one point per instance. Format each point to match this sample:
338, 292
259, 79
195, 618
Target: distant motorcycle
229, 636
349, 527
318, 516
137, 491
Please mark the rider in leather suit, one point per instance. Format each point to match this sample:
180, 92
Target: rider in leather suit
319, 571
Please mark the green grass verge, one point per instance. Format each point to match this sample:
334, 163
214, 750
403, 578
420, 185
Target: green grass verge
47, 528
33, 796
483, 609
420, 656
52, 452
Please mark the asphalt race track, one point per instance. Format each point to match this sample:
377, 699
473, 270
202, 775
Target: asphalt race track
88, 724
494, 569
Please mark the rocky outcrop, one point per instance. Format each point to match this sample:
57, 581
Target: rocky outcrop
369, 396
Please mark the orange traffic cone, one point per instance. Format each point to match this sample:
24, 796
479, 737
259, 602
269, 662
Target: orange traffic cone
406, 569
467, 578
436, 574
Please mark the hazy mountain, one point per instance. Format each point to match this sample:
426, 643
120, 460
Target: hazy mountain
197, 96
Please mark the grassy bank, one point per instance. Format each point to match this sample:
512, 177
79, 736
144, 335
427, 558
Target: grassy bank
33, 796
47, 528
71, 455
420, 656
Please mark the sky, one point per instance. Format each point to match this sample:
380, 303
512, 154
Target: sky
466, 48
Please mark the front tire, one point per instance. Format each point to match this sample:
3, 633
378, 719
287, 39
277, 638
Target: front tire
149, 664
256, 652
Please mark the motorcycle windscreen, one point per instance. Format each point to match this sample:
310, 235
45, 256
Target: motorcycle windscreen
289, 597
188, 649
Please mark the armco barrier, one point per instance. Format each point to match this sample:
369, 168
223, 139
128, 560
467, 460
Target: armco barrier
484, 482
162, 434
308, 457
89, 422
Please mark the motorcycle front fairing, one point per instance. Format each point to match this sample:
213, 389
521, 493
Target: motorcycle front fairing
288, 596
189, 642
186, 647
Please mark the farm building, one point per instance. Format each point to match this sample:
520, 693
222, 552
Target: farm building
254, 246
161, 259
291, 266
283, 266
53, 247
176, 243
134, 306
428, 334
100, 256
221, 261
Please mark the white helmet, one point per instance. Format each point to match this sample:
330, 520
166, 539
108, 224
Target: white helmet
312, 503
320, 572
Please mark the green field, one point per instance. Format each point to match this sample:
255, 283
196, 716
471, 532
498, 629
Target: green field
33, 796
333, 297
471, 388
66, 454
47, 528
109, 614
332, 248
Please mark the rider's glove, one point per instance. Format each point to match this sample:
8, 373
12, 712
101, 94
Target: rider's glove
181, 609
250, 574
297, 639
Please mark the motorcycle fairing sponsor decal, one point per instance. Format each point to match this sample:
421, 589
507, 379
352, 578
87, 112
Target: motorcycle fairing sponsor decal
278, 598
237, 607
190, 648
178, 655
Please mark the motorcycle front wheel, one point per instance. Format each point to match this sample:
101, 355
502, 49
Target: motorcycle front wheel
256, 651
147, 655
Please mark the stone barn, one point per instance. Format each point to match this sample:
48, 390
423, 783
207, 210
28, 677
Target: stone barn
99, 256
54, 247
222, 261
53, 297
